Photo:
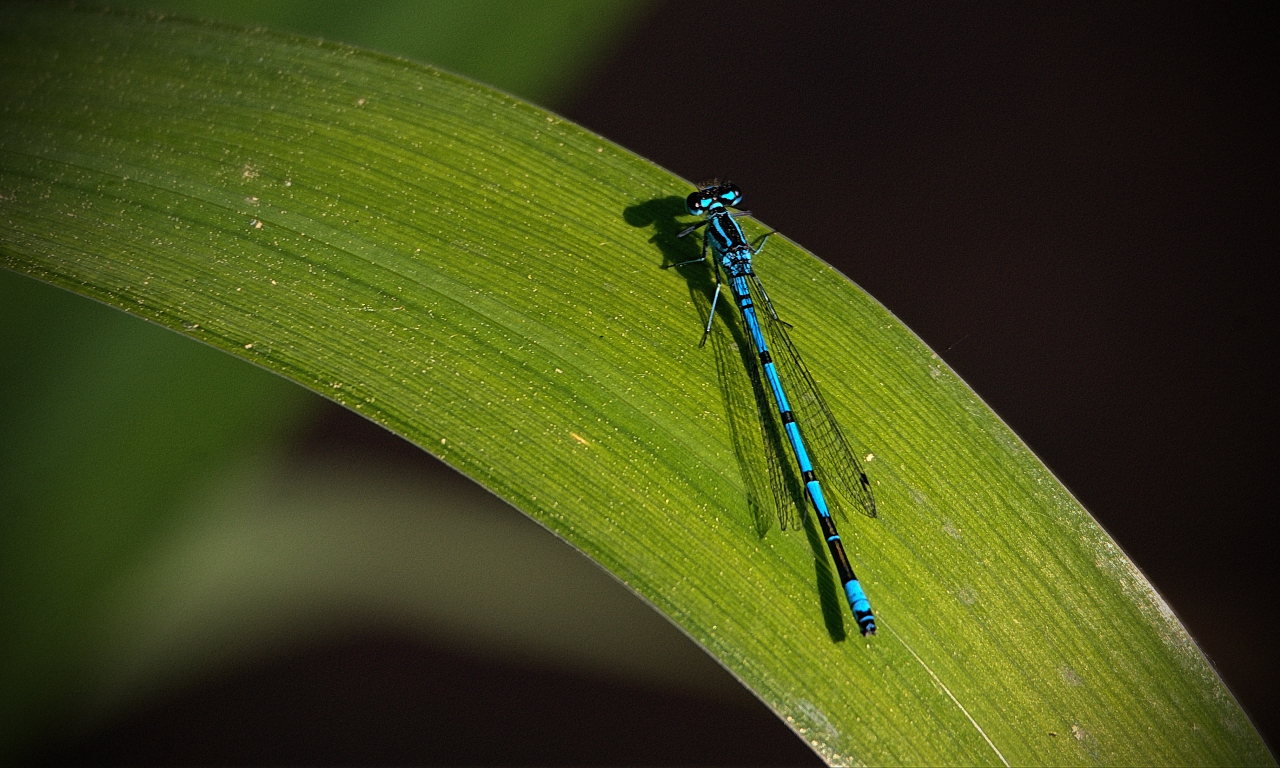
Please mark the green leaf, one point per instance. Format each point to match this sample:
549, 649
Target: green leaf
539, 51
484, 279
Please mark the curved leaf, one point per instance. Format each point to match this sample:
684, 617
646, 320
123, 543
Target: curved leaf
484, 279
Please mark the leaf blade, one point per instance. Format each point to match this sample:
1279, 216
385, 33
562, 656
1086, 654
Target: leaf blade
481, 277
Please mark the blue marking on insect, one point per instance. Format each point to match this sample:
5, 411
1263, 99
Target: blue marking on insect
861, 607
837, 462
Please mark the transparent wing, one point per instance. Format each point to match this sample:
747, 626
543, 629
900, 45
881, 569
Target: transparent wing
771, 480
788, 494
833, 458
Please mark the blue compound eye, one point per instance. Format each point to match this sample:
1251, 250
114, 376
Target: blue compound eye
729, 194
697, 202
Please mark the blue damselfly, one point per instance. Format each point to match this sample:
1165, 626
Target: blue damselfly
807, 414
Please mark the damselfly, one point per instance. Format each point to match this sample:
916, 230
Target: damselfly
833, 460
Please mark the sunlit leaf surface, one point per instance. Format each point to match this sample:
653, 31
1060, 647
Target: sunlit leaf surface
484, 279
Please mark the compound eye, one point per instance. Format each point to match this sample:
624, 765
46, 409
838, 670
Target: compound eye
697, 202
729, 194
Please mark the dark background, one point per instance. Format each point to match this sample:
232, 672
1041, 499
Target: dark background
1074, 205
